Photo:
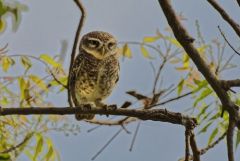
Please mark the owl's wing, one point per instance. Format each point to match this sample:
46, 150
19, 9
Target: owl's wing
73, 76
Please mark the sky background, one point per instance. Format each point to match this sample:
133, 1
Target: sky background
50, 21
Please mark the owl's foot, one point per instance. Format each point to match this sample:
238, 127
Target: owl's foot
111, 107
85, 107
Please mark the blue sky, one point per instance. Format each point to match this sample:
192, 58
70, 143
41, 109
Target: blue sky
49, 21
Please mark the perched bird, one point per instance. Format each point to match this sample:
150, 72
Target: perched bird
95, 71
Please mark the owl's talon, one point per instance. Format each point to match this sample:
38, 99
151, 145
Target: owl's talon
87, 107
112, 107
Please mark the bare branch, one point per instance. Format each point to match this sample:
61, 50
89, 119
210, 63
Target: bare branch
75, 44
151, 114
225, 16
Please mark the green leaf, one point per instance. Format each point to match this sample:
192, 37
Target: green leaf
26, 62
4, 157
39, 146
200, 85
204, 129
180, 86
150, 39
145, 52
39, 82
205, 93
203, 111
213, 135
49, 60
237, 139
127, 51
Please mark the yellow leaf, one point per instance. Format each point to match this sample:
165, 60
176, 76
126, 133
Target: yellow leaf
202, 49
49, 60
24, 88
63, 80
38, 81
150, 39
126, 51
173, 41
26, 62
181, 68
2, 25
186, 61
145, 53
6, 63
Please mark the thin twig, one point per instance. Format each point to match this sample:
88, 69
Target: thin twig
174, 98
75, 45
13, 148
228, 41
108, 142
135, 136
210, 146
225, 16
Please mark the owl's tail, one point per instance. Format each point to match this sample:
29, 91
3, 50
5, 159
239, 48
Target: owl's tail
80, 117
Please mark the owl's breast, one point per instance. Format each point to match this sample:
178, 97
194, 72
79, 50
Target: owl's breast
96, 81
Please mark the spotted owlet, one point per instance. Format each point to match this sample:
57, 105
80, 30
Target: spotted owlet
95, 71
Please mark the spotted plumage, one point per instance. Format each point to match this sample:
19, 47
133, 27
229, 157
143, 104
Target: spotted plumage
95, 71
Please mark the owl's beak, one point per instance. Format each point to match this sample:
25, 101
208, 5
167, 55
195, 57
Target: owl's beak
103, 51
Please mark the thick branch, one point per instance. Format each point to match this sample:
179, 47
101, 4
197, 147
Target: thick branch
225, 16
227, 84
230, 133
76, 43
186, 41
151, 114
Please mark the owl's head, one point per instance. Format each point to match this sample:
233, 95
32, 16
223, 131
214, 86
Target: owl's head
99, 44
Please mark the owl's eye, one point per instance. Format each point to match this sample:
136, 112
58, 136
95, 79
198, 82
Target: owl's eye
93, 43
111, 45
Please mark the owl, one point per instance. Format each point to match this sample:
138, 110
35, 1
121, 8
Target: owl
95, 71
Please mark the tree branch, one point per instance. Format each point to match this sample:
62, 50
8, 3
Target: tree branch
228, 41
76, 44
204, 150
227, 84
186, 41
187, 150
151, 114
193, 143
230, 133
225, 16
